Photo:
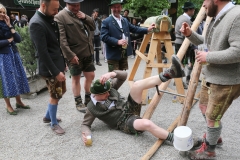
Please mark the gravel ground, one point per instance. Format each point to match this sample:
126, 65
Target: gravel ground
26, 137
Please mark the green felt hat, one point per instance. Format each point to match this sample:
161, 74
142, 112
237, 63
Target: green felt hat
98, 88
116, 2
188, 5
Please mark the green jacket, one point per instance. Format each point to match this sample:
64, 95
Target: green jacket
109, 116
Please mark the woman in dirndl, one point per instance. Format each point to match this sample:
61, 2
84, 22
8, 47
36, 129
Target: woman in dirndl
13, 80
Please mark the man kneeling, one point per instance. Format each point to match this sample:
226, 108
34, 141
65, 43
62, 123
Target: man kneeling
107, 106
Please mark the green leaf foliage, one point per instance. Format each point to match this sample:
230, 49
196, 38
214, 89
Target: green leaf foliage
146, 8
27, 51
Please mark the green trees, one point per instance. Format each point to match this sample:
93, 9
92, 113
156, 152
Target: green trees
146, 8
27, 51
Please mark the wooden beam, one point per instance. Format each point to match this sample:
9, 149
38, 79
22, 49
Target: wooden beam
164, 26
169, 48
162, 36
148, 70
138, 59
159, 142
143, 57
159, 56
158, 65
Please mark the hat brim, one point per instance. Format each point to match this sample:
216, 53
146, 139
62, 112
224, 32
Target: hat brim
115, 3
93, 91
69, 1
190, 7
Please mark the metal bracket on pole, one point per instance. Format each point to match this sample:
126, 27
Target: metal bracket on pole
158, 90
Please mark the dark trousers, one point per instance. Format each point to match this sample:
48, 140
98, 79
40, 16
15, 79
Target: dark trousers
96, 44
189, 54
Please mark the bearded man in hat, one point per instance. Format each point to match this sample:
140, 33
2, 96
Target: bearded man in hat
107, 105
76, 44
189, 10
221, 82
115, 32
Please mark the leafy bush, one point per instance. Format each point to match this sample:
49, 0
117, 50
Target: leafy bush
27, 52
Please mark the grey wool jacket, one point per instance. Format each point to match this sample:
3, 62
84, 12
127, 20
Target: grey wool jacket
223, 41
179, 36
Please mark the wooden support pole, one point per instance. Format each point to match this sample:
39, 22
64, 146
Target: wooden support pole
142, 56
159, 142
138, 59
192, 86
187, 105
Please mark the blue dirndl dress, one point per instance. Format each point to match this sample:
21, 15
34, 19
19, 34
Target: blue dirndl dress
13, 79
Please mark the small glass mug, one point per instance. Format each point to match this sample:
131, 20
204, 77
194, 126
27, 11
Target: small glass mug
125, 46
203, 47
89, 140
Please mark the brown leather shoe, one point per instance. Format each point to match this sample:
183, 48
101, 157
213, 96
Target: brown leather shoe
81, 108
46, 120
57, 129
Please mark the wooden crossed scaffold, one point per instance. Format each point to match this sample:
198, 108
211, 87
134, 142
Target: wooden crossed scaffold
154, 51
155, 38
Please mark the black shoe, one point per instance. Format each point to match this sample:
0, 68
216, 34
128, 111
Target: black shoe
175, 71
87, 99
98, 63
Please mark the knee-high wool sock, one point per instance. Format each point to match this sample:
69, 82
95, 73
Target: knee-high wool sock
170, 137
47, 115
53, 113
213, 133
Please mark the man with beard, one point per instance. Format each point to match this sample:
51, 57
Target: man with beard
45, 36
76, 43
221, 83
115, 32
